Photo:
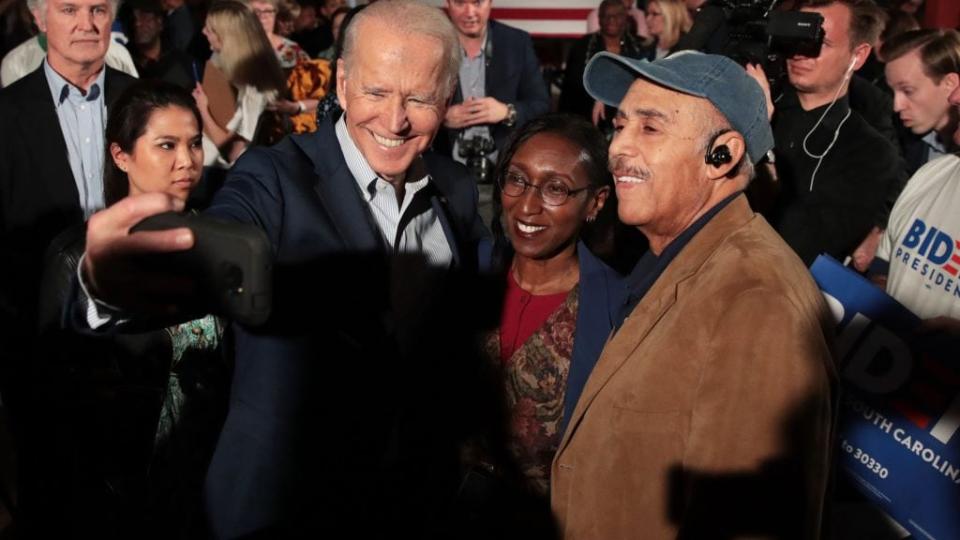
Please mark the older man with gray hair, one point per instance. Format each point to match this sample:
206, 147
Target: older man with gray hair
709, 412
343, 403
51, 168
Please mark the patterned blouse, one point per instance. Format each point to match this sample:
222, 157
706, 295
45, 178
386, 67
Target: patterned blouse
535, 382
290, 54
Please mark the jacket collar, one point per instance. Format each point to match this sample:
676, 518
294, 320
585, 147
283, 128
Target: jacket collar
340, 195
658, 300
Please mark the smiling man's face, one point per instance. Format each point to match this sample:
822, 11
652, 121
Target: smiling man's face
78, 32
392, 91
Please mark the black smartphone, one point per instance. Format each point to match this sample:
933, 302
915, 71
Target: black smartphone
231, 261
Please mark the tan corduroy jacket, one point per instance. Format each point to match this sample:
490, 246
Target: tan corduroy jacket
710, 412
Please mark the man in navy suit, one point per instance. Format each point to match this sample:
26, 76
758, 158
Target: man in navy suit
499, 86
343, 405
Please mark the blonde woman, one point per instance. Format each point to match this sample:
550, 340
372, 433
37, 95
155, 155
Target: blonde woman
243, 53
667, 20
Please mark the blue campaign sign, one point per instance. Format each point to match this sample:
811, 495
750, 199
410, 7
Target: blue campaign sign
900, 412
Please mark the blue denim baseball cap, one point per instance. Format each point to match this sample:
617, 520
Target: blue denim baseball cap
721, 81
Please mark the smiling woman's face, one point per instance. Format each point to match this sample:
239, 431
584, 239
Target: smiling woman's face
167, 158
536, 229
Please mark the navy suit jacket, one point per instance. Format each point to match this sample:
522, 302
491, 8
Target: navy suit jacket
331, 428
512, 76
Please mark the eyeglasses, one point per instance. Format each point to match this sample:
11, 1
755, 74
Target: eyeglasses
268, 11
554, 193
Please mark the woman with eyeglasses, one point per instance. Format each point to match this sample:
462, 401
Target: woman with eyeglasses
560, 300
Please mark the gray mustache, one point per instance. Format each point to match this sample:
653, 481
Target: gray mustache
619, 168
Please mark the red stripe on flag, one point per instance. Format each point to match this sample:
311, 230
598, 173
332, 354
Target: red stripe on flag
950, 269
534, 14
955, 258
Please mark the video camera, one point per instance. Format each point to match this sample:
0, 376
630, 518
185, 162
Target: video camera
752, 31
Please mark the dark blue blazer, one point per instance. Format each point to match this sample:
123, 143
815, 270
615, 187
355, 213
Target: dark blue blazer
512, 76
324, 430
602, 293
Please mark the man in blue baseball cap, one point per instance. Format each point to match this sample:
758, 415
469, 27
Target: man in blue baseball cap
710, 410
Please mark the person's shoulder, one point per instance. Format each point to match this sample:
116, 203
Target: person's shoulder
26, 87
933, 174
449, 175
116, 82
755, 256
864, 139
27, 51
506, 32
119, 76
593, 267
296, 155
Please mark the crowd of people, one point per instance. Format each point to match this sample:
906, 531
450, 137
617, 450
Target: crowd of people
632, 346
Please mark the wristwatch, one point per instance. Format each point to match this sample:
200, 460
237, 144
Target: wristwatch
511, 118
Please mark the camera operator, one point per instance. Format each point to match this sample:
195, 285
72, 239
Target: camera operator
836, 171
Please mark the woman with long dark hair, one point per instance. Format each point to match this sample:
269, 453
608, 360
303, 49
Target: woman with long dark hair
150, 404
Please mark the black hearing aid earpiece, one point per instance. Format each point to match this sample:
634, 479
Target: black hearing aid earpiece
719, 156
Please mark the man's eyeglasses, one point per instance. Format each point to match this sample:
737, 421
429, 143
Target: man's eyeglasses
554, 193
267, 11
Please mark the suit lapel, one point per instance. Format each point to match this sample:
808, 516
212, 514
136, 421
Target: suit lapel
439, 203
40, 127
656, 303
338, 191
114, 83
658, 300
490, 62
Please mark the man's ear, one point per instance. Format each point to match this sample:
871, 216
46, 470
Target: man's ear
599, 200
39, 19
861, 52
735, 146
342, 83
950, 81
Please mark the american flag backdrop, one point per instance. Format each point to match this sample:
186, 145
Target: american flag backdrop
543, 18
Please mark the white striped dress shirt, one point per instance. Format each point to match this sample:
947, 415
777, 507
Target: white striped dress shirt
423, 233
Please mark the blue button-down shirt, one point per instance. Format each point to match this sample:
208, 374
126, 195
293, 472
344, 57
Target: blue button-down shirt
82, 120
473, 84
